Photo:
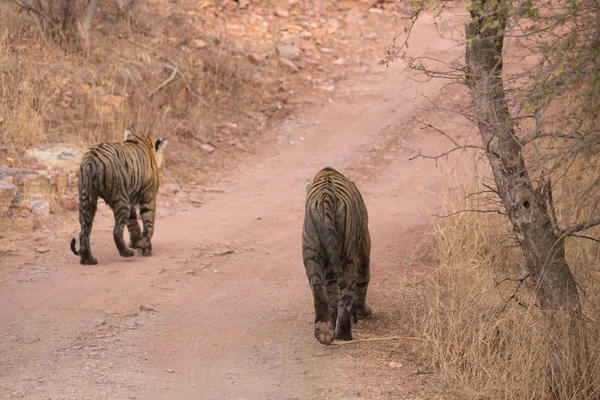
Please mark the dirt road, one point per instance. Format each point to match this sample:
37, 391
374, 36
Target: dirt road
226, 310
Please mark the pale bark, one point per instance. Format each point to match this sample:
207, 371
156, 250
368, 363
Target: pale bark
526, 206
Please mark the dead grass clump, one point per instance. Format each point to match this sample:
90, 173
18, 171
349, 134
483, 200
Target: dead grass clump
50, 95
484, 333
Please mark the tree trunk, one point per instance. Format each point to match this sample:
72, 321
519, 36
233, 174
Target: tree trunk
526, 206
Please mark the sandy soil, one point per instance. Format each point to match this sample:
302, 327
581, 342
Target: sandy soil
223, 310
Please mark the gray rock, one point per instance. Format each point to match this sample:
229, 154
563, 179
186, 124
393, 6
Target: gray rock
57, 155
288, 51
8, 193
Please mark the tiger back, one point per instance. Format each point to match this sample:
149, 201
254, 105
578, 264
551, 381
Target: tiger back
336, 248
123, 175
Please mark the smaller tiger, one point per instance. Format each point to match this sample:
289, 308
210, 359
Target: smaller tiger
124, 175
336, 249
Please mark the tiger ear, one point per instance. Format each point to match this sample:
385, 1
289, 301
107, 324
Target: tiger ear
161, 144
127, 134
307, 185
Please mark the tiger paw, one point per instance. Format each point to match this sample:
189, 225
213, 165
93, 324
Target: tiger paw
364, 311
127, 252
88, 261
145, 246
324, 332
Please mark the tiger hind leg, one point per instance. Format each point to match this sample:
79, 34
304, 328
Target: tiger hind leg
148, 212
362, 284
332, 295
135, 233
324, 330
122, 212
88, 202
346, 310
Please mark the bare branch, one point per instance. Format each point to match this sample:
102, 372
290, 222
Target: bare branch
474, 211
166, 81
580, 227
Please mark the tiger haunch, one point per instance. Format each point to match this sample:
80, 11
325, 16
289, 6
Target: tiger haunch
336, 249
123, 175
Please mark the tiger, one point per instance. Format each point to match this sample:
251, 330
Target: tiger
123, 174
336, 249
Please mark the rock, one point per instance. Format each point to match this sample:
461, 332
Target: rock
42, 250
288, 51
243, 3
339, 61
288, 64
169, 370
8, 193
30, 183
160, 271
199, 44
352, 393
173, 188
146, 308
281, 12
36, 206
197, 201
207, 147
241, 146
281, 138
255, 59
189, 272
395, 364
374, 10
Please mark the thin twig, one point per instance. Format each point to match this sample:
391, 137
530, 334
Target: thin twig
475, 211
580, 227
38, 25
170, 79
380, 339
585, 237
166, 81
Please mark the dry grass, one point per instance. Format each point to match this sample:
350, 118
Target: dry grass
488, 340
49, 94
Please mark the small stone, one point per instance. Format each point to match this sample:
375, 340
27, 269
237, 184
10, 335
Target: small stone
207, 147
281, 12
374, 10
172, 188
288, 64
352, 393
255, 59
146, 308
288, 51
160, 271
339, 61
395, 364
110, 312
189, 272
199, 43
42, 249
243, 3
196, 201
169, 370
281, 138
241, 146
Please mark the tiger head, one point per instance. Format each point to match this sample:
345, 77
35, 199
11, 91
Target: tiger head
157, 145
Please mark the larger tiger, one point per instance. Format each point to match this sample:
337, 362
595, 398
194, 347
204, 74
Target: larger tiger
123, 174
336, 249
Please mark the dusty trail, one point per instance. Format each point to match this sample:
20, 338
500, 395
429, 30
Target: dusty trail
233, 311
